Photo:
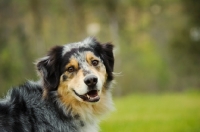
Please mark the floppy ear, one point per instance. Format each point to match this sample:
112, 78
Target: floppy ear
108, 58
49, 68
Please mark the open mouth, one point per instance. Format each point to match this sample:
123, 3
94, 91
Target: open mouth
91, 96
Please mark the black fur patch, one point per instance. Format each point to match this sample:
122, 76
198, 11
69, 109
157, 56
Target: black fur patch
105, 51
82, 124
49, 68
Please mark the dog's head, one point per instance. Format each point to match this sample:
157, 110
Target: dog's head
80, 70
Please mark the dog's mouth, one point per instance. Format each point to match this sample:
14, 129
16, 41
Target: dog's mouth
91, 96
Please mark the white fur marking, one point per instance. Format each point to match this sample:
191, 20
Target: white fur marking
85, 43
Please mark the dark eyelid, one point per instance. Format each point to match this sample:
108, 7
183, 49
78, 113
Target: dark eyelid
68, 68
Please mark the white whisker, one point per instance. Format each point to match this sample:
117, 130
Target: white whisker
117, 73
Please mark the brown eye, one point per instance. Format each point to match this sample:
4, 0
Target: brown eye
95, 62
71, 69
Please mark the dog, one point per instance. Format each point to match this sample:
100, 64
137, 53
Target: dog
72, 94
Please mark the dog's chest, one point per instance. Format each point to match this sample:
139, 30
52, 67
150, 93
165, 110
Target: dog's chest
87, 125
89, 128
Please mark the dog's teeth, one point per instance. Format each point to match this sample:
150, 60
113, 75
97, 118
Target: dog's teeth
88, 96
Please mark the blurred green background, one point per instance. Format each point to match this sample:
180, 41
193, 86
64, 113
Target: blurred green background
157, 51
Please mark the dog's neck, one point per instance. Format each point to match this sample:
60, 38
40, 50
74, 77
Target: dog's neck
89, 114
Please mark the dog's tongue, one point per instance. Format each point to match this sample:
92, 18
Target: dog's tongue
93, 93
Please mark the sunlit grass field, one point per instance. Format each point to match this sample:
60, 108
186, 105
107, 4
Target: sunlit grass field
155, 113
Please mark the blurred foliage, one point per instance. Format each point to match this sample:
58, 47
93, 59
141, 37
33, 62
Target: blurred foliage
157, 42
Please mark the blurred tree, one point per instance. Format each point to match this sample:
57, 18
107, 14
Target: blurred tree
185, 46
37, 12
140, 30
6, 15
15, 52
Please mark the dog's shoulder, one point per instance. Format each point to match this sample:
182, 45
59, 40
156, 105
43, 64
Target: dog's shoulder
26, 91
21, 96
25, 109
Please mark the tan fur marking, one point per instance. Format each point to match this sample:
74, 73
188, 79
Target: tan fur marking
73, 62
44, 94
90, 56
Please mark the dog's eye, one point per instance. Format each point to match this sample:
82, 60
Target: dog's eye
71, 69
95, 62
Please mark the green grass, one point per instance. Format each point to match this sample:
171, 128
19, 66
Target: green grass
155, 113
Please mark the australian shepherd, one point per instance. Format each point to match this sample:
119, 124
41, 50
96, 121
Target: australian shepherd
71, 96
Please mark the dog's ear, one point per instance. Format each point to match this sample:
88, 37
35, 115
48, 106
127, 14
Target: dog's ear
108, 58
49, 68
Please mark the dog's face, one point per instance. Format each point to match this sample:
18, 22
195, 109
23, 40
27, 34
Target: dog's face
79, 70
84, 76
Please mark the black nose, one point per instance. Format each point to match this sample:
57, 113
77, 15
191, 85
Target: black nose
91, 80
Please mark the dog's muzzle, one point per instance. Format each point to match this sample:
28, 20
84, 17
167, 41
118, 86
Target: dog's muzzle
93, 93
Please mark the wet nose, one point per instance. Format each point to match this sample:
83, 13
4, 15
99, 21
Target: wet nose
91, 80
